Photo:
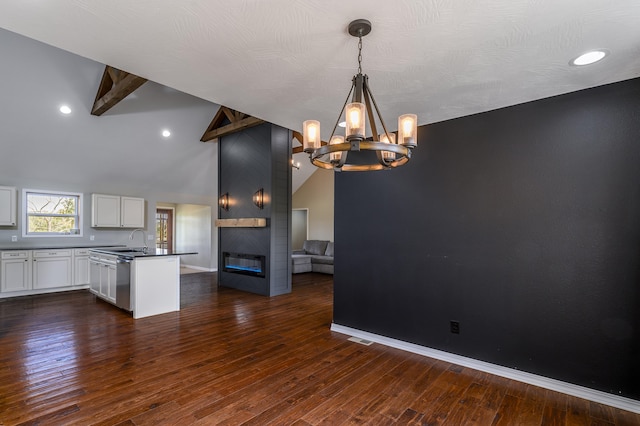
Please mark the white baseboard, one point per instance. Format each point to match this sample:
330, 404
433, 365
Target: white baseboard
198, 268
521, 376
42, 291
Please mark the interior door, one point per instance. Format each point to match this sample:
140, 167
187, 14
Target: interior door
164, 229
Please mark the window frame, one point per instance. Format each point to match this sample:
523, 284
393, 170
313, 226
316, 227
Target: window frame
25, 213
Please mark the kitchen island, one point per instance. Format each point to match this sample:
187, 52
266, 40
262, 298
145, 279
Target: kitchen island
144, 282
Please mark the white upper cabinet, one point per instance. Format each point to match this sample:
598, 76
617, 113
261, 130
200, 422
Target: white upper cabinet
8, 206
113, 211
105, 210
131, 212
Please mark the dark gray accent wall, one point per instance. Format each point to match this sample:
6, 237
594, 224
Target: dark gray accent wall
258, 157
522, 224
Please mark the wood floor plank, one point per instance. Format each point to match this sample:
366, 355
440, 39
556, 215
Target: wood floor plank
229, 357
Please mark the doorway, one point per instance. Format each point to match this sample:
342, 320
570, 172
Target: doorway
164, 230
299, 228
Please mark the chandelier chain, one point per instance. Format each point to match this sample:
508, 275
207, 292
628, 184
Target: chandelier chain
360, 55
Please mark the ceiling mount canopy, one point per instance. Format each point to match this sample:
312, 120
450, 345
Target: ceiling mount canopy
389, 151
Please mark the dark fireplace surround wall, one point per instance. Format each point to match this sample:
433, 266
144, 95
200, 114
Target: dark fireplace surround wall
522, 224
254, 158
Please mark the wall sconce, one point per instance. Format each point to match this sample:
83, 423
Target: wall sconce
295, 165
223, 201
258, 198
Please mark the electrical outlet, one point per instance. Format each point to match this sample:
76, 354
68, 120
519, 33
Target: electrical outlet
92, 237
454, 326
14, 238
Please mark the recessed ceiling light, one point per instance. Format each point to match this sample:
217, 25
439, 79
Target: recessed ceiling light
166, 133
342, 124
589, 57
65, 109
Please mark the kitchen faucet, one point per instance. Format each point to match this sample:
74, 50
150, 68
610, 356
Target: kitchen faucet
144, 238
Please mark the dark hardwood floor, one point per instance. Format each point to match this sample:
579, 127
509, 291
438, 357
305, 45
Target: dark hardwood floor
235, 358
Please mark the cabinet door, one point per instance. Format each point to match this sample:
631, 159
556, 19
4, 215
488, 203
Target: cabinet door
105, 210
15, 275
94, 276
7, 206
104, 281
111, 279
52, 272
81, 270
132, 215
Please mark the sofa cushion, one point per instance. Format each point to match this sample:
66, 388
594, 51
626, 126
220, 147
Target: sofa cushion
324, 269
329, 250
315, 246
322, 260
300, 259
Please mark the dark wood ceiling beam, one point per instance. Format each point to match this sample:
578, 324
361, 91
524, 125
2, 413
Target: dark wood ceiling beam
235, 122
114, 87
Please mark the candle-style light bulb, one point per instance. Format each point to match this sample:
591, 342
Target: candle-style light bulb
355, 115
310, 135
391, 139
334, 157
407, 130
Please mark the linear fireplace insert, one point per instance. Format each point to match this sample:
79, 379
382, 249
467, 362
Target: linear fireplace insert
242, 263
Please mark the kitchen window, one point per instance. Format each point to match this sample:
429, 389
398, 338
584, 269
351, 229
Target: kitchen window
51, 214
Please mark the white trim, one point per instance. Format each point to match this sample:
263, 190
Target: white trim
521, 376
198, 268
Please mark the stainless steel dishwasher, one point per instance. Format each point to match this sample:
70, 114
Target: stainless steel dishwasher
123, 283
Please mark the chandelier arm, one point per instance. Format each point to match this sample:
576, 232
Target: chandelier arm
367, 102
384, 127
382, 160
341, 162
333, 132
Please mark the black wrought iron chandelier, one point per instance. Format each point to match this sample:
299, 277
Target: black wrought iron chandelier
389, 152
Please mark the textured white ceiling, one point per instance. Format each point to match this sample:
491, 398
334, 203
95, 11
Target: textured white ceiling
286, 61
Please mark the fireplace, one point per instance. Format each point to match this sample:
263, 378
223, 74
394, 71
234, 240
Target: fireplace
246, 264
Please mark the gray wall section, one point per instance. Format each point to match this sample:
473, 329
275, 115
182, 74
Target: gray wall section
298, 228
256, 158
523, 224
280, 200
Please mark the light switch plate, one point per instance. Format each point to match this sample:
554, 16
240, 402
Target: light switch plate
14, 238
92, 237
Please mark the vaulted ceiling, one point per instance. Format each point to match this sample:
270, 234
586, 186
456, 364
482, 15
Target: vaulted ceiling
284, 61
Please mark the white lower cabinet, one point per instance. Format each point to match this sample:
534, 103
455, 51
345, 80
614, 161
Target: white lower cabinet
102, 277
81, 267
94, 275
108, 282
15, 269
52, 268
28, 271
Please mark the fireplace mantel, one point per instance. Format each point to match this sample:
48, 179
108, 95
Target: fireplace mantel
244, 222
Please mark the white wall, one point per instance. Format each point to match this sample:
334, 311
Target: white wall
194, 233
121, 152
316, 194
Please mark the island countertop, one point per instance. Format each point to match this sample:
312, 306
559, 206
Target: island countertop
139, 252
